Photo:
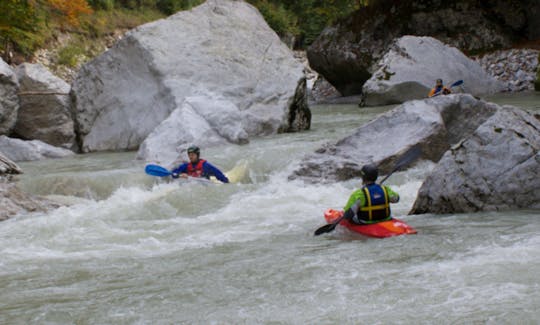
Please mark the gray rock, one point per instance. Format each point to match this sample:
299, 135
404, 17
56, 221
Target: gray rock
7, 166
220, 48
200, 120
45, 107
322, 91
496, 168
411, 66
436, 124
9, 102
12, 200
346, 53
20, 150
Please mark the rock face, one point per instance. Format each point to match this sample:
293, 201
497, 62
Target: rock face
12, 200
346, 54
7, 166
435, 124
20, 150
496, 168
411, 66
221, 49
9, 102
199, 120
44, 112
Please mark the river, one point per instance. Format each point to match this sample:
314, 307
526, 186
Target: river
130, 249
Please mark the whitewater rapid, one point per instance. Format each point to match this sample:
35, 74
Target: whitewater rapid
130, 249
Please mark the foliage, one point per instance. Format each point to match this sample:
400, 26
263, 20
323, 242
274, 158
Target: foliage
305, 19
169, 7
71, 54
281, 20
19, 26
26, 25
69, 11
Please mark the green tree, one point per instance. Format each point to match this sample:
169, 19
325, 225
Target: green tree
19, 23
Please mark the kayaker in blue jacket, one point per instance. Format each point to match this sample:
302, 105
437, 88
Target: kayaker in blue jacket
371, 203
197, 167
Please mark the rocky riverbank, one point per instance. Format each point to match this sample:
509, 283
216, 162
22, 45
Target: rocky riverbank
516, 68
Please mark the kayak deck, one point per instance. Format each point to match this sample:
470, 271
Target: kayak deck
389, 228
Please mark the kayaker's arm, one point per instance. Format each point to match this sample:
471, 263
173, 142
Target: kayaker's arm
213, 171
393, 197
182, 169
357, 195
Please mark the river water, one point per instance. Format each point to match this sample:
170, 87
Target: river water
133, 250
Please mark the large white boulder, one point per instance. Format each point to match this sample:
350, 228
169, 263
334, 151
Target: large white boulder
20, 150
221, 48
411, 66
45, 107
199, 120
9, 102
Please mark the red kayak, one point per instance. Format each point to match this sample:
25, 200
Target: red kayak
392, 227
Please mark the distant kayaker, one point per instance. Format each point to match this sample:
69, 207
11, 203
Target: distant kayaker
371, 203
197, 167
439, 89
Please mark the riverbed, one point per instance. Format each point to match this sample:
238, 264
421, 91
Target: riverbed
131, 249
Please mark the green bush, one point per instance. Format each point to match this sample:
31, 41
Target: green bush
170, 7
101, 4
278, 18
71, 54
21, 27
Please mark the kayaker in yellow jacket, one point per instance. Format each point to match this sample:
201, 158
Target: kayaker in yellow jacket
439, 89
371, 203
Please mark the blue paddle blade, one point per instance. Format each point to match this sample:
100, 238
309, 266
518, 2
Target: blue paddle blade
155, 170
457, 83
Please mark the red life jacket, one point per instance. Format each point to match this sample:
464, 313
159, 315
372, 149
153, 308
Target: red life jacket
196, 171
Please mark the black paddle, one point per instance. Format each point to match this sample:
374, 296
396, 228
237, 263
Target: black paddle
406, 159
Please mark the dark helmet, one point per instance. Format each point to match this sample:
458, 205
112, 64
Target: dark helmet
369, 173
194, 149
439, 81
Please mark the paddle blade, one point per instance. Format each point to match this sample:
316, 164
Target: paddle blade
457, 83
408, 157
326, 228
155, 170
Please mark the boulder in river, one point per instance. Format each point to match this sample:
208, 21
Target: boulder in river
411, 66
347, 52
7, 166
436, 124
495, 168
9, 101
45, 107
20, 150
221, 49
199, 120
12, 200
